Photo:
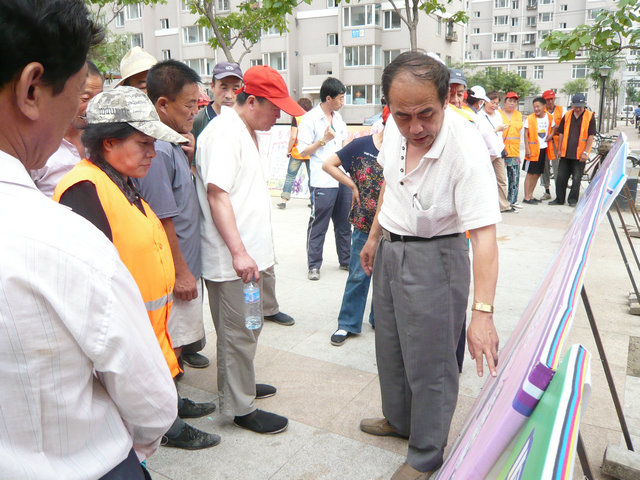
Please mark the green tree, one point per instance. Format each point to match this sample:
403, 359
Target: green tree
611, 32
633, 95
241, 27
496, 79
579, 85
409, 11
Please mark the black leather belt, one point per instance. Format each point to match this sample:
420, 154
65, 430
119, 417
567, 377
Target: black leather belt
393, 237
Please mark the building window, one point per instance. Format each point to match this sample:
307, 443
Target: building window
564, 7
632, 67
256, 61
546, 2
439, 26
332, 39
276, 60
195, 64
362, 15
391, 20
529, 54
185, 5
363, 95
164, 23
500, 37
531, 21
499, 54
529, 38
194, 34
166, 54
332, 3
271, 32
501, 3
222, 5
538, 72
134, 11
513, 38
514, 22
390, 56
592, 13
545, 17
362, 55
476, 30
119, 19
501, 20
475, 46
515, 4
135, 40
562, 25
542, 34
476, 14
579, 71
522, 71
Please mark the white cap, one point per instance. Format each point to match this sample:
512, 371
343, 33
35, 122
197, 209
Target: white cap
135, 61
479, 92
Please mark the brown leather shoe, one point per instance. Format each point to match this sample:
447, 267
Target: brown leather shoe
407, 472
380, 427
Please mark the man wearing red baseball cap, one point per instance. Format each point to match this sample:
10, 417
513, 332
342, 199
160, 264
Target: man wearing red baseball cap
556, 112
235, 228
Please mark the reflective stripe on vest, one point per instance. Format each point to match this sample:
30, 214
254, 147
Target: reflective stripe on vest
143, 247
584, 132
514, 127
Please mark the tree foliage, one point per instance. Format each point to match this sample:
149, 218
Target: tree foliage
611, 32
496, 79
244, 26
633, 95
597, 59
579, 85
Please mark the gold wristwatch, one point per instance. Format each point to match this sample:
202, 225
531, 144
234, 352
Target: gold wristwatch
482, 307
322, 142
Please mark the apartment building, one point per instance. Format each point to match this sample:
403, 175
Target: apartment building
507, 34
353, 42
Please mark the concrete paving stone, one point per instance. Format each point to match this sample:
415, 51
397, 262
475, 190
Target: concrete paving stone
327, 456
621, 463
158, 476
595, 441
631, 399
633, 362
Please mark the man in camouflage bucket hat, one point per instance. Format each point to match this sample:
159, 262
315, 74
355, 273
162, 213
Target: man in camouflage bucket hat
130, 105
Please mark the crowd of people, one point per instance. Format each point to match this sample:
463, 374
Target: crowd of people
100, 314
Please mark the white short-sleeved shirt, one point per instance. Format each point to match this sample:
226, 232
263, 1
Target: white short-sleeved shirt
311, 129
494, 121
227, 157
493, 144
452, 189
57, 166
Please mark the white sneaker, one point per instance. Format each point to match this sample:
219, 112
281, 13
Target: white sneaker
516, 205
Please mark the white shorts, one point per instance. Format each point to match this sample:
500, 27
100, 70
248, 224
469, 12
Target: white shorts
185, 323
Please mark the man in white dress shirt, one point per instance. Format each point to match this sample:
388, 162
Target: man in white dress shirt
86, 391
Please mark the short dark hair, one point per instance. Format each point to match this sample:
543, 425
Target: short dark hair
168, 78
92, 70
331, 87
471, 100
421, 66
539, 100
55, 33
305, 103
493, 94
93, 136
242, 97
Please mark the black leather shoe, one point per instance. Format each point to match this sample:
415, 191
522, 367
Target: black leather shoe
265, 391
260, 421
195, 360
281, 319
572, 203
191, 438
555, 202
191, 409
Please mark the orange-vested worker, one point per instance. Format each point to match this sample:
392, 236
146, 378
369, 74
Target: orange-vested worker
512, 119
537, 135
551, 165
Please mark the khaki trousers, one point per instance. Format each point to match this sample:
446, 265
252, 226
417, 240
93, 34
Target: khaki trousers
236, 347
501, 179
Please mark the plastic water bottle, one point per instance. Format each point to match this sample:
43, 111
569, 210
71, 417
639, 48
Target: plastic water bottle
252, 312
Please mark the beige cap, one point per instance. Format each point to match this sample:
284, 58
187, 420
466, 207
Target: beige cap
135, 61
130, 105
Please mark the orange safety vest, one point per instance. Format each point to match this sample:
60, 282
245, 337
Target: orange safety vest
557, 117
294, 149
584, 132
533, 140
143, 247
463, 113
511, 134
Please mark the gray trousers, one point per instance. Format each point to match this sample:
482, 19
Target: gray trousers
420, 293
236, 347
545, 179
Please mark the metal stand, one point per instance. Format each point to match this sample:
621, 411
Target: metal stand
584, 461
624, 256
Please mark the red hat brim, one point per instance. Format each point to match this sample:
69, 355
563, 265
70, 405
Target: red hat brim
288, 105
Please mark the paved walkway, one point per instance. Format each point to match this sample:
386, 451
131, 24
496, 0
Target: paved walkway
326, 390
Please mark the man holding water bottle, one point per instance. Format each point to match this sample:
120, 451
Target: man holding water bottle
237, 244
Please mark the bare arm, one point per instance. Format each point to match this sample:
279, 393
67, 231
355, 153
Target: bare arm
331, 165
185, 287
527, 150
587, 149
225, 221
481, 334
292, 138
317, 145
368, 252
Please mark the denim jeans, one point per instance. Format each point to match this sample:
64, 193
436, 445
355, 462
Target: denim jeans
356, 290
292, 172
513, 178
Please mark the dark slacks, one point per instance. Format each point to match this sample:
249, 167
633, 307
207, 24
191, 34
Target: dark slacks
420, 293
129, 469
329, 204
569, 167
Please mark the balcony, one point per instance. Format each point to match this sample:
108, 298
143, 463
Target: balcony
532, 5
451, 36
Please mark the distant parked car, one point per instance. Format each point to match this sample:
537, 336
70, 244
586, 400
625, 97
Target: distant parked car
627, 111
372, 119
